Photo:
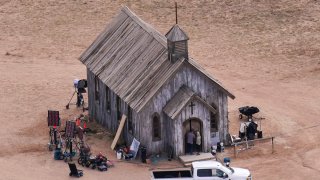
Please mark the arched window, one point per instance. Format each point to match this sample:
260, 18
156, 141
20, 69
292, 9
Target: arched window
214, 119
108, 99
156, 127
118, 105
129, 116
96, 88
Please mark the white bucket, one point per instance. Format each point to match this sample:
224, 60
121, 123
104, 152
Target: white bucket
222, 147
119, 155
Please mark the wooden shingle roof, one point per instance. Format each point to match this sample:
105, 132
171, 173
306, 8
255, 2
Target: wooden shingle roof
183, 97
130, 57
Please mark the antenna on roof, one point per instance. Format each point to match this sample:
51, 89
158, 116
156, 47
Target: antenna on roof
176, 12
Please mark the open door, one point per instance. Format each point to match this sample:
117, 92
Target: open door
195, 125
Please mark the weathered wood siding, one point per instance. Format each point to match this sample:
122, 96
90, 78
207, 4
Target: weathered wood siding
199, 112
171, 129
91, 101
98, 109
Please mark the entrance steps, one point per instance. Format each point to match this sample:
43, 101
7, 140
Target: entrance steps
186, 160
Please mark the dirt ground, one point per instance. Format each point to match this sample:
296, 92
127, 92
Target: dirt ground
265, 52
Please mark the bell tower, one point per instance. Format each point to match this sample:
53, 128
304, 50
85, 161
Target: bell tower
177, 42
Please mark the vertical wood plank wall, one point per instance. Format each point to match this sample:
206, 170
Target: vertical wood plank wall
98, 109
171, 130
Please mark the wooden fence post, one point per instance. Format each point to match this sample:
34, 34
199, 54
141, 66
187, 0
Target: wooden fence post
272, 144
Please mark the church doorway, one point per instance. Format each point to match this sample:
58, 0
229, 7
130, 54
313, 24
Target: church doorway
193, 124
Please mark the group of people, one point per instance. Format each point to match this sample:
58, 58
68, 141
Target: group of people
248, 129
193, 138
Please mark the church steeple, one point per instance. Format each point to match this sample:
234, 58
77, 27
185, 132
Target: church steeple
177, 41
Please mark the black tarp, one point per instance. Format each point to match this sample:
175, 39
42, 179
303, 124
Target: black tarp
248, 111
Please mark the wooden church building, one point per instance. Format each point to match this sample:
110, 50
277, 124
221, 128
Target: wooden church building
133, 69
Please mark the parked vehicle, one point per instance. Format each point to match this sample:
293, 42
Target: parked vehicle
203, 170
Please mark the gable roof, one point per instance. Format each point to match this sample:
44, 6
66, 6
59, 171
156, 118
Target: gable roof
130, 57
183, 97
176, 34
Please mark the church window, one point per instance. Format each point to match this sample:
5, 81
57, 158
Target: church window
214, 119
156, 127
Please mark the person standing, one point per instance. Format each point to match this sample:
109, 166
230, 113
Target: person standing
198, 142
242, 130
190, 139
251, 130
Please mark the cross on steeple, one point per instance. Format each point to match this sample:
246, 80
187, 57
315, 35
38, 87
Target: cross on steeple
191, 106
176, 6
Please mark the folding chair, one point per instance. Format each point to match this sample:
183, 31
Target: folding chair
53, 122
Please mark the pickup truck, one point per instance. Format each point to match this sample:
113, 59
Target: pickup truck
203, 170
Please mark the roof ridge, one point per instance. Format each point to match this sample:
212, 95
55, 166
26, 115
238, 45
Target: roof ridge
193, 63
161, 39
146, 26
112, 45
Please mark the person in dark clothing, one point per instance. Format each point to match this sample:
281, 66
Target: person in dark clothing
79, 99
251, 130
190, 140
